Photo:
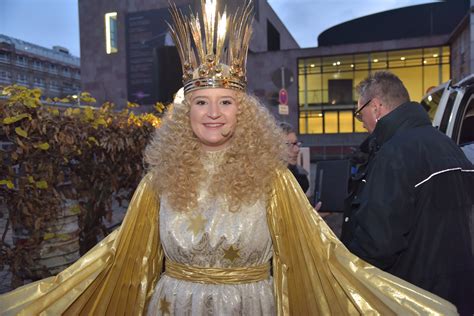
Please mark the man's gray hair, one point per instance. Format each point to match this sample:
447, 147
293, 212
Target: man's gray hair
287, 128
384, 85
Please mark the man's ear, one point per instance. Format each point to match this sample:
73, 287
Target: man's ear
378, 106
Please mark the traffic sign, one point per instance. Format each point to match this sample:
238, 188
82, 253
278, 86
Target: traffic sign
283, 96
283, 109
282, 77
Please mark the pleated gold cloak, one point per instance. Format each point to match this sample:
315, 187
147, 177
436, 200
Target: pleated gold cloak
314, 274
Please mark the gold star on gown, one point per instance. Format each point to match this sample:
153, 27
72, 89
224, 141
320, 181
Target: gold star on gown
231, 253
197, 224
164, 306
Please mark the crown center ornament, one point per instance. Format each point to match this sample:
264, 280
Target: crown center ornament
212, 46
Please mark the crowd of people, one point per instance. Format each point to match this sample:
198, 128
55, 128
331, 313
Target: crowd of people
221, 223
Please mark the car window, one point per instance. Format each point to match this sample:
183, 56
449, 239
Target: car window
447, 111
431, 102
465, 130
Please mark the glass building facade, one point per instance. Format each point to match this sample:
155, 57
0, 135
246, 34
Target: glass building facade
326, 85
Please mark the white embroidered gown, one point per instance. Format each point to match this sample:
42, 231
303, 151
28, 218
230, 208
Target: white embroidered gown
212, 236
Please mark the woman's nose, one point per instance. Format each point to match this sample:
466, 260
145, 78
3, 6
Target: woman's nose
213, 110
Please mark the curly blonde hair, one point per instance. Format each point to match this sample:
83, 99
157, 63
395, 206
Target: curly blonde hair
256, 151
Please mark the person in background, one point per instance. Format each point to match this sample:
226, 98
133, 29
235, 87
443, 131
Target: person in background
332, 219
411, 209
291, 141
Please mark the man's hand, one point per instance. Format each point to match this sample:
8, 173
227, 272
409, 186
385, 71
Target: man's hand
317, 207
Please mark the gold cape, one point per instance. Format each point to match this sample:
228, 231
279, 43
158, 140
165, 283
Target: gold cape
314, 274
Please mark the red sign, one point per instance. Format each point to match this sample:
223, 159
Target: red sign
283, 96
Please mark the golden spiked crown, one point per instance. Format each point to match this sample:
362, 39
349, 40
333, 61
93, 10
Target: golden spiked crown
213, 48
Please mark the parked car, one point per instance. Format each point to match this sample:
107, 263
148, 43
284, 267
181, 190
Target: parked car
451, 108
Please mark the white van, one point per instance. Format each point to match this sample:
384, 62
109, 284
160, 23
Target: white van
451, 108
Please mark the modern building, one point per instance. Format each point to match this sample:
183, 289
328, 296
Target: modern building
127, 53
55, 71
425, 45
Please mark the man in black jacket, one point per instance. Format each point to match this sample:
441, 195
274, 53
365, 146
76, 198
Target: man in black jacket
411, 210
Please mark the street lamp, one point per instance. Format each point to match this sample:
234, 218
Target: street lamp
77, 98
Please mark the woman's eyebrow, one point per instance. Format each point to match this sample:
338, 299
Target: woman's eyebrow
199, 97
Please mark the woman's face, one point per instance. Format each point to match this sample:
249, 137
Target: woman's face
213, 116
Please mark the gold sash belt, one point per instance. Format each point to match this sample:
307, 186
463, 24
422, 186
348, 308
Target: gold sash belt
217, 275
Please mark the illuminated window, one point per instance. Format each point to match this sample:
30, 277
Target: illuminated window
330, 122
111, 45
324, 109
346, 120
302, 124
313, 120
337, 121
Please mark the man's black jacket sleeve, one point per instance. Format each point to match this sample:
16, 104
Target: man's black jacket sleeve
384, 212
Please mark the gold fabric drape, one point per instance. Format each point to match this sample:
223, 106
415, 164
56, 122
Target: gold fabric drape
313, 272
116, 277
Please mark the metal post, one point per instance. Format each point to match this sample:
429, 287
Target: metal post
305, 96
282, 77
440, 64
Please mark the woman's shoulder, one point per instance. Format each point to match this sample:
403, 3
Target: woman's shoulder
282, 173
147, 178
148, 182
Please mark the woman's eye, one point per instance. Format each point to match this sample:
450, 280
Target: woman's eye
200, 102
226, 102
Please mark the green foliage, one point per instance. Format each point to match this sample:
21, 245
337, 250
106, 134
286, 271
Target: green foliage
85, 154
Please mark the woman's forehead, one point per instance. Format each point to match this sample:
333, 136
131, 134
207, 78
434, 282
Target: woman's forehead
291, 136
213, 92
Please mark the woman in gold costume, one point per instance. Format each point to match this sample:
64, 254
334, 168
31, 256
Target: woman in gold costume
219, 225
